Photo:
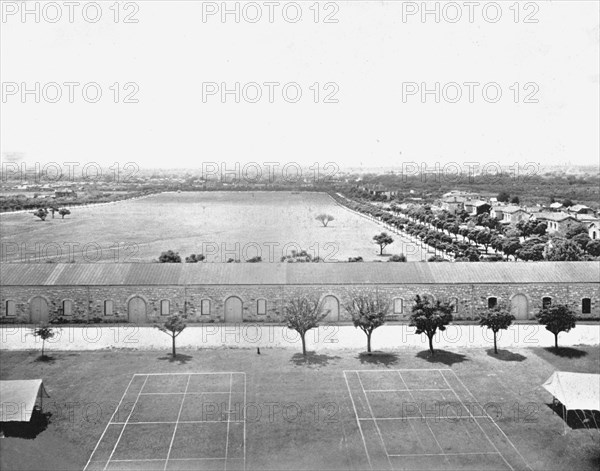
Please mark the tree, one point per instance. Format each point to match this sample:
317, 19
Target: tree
496, 319
169, 257
436, 258
63, 212
397, 258
515, 200
503, 197
564, 251
484, 238
325, 219
532, 252
256, 259
41, 213
303, 314
355, 259
511, 247
368, 313
383, 240
582, 240
567, 203
300, 257
173, 326
44, 332
557, 318
195, 258
428, 317
593, 248
576, 230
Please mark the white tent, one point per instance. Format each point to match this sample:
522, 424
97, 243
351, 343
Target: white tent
576, 391
19, 399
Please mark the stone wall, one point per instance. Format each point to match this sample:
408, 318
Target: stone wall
88, 301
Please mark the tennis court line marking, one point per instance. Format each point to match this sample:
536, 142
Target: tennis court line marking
228, 421
358, 421
376, 424
428, 426
406, 390
493, 421
109, 423
479, 425
188, 393
422, 417
449, 454
187, 385
180, 422
187, 374
174, 459
127, 420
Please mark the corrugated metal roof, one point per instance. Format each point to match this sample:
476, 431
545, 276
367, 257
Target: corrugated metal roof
153, 274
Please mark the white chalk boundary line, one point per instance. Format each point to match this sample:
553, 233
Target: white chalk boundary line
449, 388
189, 375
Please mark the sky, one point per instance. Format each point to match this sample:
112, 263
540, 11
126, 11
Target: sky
361, 68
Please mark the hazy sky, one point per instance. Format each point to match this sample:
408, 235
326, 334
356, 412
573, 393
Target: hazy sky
374, 60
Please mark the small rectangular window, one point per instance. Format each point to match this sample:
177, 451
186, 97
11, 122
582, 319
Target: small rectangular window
261, 307
67, 307
165, 307
11, 308
108, 308
205, 307
454, 304
586, 306
398, 306
492, 302
546, 302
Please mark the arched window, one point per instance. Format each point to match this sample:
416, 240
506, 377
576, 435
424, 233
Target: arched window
546, 302
492, 302
165, 307
586, 306
398, 305
261, 307
11, 308
67, 307
454, 304
108, 307
205, 307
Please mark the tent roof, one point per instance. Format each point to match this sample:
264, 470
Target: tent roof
575, 390
19, 398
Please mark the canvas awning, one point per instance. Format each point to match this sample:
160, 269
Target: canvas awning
576, 391
18, 399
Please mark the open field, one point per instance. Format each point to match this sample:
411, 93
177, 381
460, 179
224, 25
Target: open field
221, 225
333, 411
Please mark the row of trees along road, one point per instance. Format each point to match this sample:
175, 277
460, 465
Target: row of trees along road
369, 312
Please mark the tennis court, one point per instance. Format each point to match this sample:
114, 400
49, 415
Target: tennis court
181, 421
426, 420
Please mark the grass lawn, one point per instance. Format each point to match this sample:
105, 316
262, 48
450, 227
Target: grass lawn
302, 413
261, 223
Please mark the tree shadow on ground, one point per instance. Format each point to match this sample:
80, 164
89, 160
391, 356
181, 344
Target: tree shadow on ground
378, 358
442, 356
576, 419
180, 358
506, 355
28, 430
45, 359
312, 359
566, 352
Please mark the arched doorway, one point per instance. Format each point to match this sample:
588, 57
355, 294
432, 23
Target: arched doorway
519, 306
136, 310
233, 309
331, 306
38, 310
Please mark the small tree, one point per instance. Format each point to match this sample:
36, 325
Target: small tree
428, 317
256, 259
557, 318
368, 312
41, 213
496, 318
195, 258
325, 219
64, 212
44, 332
383, 240
303, 314
173, 326
169, 257
397, 258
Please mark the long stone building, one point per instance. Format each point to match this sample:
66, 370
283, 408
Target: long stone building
257, 292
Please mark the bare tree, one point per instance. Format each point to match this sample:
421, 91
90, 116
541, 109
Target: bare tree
325, 219
303, 314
